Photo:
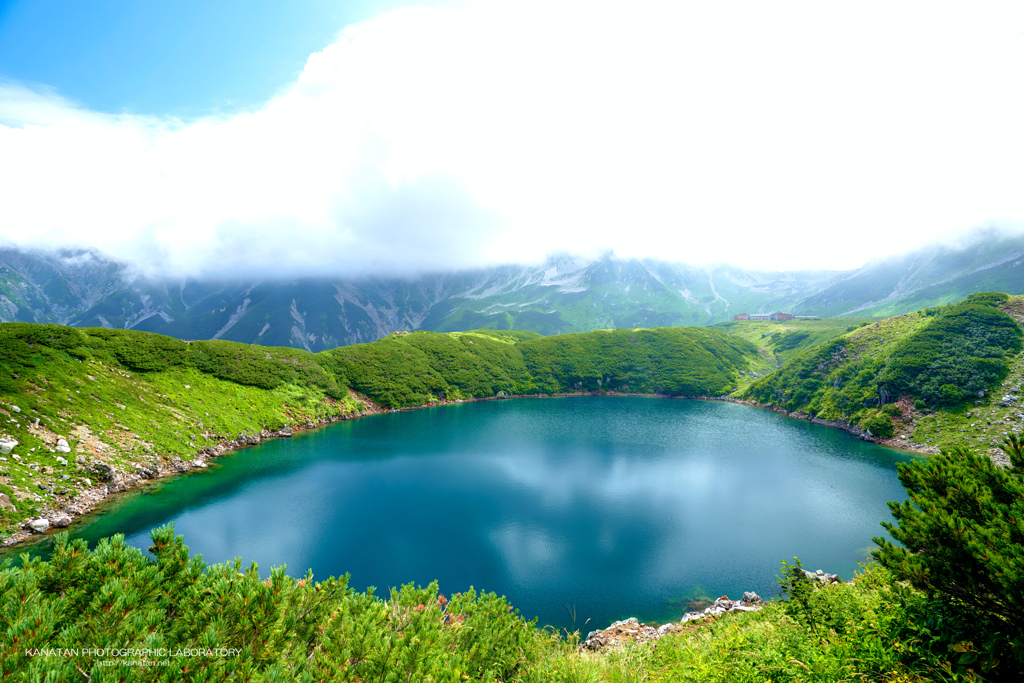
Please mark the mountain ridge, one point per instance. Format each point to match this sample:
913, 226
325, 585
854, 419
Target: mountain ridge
564, 294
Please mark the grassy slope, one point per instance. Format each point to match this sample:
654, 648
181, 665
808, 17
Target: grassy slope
843, 378
133, 399
133, 404
779, 341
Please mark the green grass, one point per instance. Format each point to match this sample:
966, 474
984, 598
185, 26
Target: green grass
779, 341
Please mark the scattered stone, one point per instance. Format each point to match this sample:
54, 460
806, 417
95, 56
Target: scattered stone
61, 461
63, 446
822, 577
618, 634
632, 631
16, 409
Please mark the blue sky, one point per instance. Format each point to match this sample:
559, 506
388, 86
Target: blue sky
177, 57
314, 137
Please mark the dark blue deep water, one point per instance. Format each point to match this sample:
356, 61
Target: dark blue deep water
576, 509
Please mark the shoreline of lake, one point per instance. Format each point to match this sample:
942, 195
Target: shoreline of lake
89, 499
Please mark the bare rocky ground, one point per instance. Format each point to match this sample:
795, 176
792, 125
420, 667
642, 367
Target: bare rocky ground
631, 630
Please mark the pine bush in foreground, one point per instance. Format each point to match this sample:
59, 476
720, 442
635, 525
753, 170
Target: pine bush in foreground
113, 614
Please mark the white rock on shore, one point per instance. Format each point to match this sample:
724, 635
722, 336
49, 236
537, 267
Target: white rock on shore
39, 525
632, 631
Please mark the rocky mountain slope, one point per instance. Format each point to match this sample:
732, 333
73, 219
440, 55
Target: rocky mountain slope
564, 294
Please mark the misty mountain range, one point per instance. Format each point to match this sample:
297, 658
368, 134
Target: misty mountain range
565, 294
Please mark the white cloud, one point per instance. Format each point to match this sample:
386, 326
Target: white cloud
780, 134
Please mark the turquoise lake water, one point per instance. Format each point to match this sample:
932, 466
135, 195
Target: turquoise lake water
580, 510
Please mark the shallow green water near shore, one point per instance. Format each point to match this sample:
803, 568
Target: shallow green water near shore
581, 510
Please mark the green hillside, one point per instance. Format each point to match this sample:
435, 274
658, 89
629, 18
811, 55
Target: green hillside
779, 341
922, 376
136, 401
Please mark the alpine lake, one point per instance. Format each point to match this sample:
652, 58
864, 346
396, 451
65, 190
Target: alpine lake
581, 510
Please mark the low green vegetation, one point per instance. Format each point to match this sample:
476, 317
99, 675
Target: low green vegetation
943, 358
416, 368
962, 544
677, 361
782, 340
173, 618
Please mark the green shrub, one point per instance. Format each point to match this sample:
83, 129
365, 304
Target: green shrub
879, 424
283, 629
962, 543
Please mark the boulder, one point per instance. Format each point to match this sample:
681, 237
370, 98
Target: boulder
61, 520
150, 472
15, 409
103, 471
39, 525
822, 577
7, 445
621, 632
63, 446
